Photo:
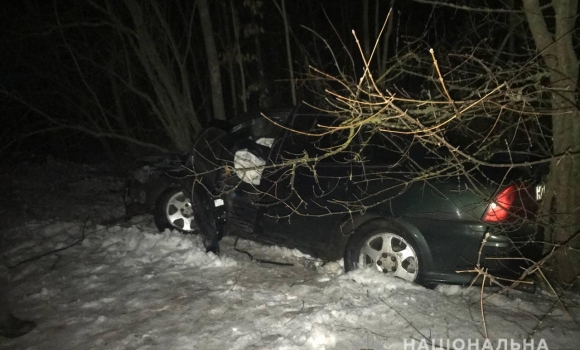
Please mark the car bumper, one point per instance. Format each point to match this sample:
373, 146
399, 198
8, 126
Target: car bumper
512, 249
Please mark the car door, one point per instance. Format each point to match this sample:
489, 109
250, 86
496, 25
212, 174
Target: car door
306, 189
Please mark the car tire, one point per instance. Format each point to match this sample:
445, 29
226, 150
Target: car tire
173, 210
387, 247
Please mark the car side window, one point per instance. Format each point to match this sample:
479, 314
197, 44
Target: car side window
392, 149
380, 148
310, 134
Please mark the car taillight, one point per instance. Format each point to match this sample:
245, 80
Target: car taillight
498, 209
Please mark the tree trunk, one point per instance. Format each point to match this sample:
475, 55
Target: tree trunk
557, 50
239, 57
231, 52
282, 9
212, 61
366, 32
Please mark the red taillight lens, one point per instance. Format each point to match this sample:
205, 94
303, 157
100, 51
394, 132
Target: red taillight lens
498, 209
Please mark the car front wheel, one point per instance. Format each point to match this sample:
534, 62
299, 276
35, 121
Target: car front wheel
173, 210
386, 248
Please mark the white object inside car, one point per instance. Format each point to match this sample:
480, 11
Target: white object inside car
248, 166
265, 141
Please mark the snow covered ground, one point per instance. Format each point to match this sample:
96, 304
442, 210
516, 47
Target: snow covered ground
126, 286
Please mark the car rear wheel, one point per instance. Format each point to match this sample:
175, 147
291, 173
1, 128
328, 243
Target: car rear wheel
386, 248
173, 210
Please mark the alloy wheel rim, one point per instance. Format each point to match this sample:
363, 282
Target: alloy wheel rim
179, 211
390, 254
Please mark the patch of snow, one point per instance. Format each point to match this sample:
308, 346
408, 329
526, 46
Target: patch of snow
129, 287
450, 289
371, 277
320, 337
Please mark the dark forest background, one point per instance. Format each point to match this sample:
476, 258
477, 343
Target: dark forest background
85, 78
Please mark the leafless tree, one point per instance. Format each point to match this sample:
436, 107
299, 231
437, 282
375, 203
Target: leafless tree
212, 60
